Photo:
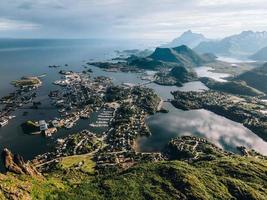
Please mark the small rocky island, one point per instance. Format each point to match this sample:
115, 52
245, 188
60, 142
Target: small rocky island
27, 81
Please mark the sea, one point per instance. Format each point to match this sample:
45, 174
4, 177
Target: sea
31, 57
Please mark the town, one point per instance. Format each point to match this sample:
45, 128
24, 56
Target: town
121, 111
24, 94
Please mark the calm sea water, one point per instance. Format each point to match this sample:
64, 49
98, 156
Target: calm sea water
32, 57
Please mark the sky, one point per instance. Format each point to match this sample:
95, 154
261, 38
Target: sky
136, 19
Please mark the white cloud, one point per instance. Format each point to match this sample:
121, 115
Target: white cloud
230, 2
7, 24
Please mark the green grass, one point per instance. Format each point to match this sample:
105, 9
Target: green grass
232, 177
72, 161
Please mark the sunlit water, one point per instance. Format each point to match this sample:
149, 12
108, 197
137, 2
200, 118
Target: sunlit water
234, 60
207, 72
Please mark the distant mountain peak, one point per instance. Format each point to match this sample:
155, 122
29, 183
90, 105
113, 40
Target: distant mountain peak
246, 32
188, 38
241, 45
189, 32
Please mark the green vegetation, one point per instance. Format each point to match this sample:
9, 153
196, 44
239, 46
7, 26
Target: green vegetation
176, 76
246, 110
255, 78
183, 74
29, 127
233, 87
260, 55
83, 162
182, 55
228, 177
27, 81
148, 63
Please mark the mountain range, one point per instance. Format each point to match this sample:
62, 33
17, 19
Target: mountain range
243, 45
240, 45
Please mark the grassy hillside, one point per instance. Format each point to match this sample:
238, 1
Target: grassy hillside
261, 55
226, 177
233, 87
256, 78
181, 55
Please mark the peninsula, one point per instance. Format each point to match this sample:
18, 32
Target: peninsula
249, 111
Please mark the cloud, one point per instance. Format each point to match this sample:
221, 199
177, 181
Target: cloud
38, 4
153, 19
7, 25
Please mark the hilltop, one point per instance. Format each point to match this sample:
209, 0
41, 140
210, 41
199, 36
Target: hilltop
255, 78
182, 55
260, 55
233, 87
176, 76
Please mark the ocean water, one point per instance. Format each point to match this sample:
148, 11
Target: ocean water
32, 57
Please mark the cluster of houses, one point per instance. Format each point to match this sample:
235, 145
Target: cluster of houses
77, 97
23, 95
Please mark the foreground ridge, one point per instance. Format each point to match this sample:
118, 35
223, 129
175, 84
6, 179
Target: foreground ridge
190, 168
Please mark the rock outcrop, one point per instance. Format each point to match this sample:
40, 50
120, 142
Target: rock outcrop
16, 164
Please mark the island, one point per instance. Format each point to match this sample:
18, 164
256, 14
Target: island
27, 81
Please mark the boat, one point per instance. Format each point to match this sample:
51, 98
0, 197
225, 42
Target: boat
11, 116
69, 125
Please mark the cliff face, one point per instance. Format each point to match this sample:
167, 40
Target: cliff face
16, 164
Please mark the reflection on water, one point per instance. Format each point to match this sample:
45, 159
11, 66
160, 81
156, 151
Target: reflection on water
234, 60
206, 72
221, 131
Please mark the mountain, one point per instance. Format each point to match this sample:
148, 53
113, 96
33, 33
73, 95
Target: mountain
241, 45
261, 55
148, 63
182, 55
195, 169
161, 58
178, 75
256, 78
188, 38
183, 74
